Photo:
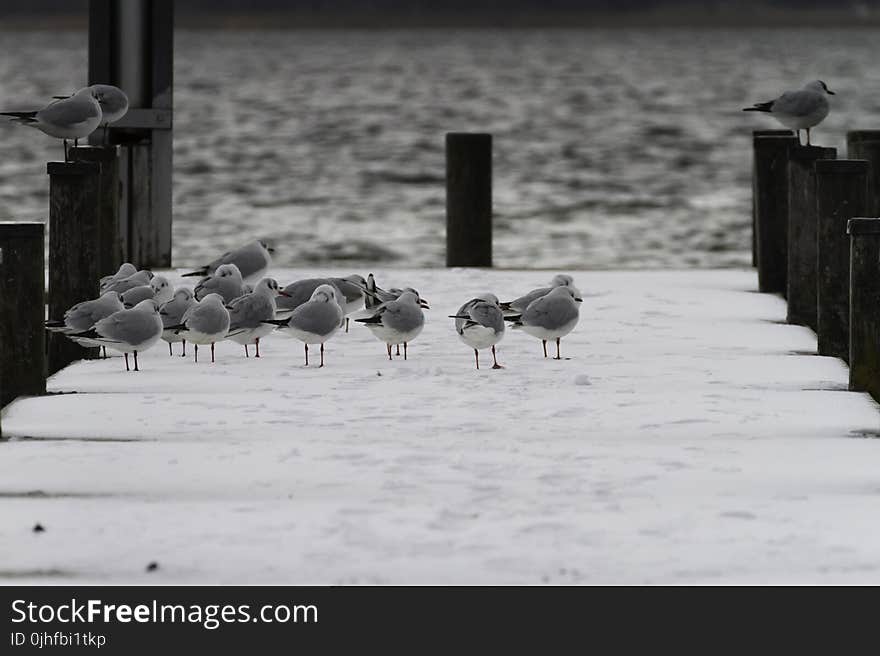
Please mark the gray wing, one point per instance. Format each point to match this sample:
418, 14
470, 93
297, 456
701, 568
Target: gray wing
550, 313
68, 112
319, 318
464, 311
173, 312
488, 315
127, 326
250, 312
402, 317
797, 103
523, 302
135, 295
351, 291
300, 292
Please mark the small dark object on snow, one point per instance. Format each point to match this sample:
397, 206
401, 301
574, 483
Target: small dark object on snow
152, 567
38, 528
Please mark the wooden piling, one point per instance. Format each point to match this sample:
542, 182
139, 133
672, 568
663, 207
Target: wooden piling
771, 211
22, 307
865, 144
841, 194
74, 226
801, 276
755, 135
864, 306
110, 247
468, 199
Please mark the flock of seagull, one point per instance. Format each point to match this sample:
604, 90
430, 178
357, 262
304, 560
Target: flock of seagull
136, 309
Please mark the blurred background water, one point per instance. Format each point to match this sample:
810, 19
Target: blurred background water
613, 148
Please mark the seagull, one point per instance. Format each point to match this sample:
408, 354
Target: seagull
248, 314
398, 321
480, 324
315, 321
159, 290
128, 331
172, 314
551, 316
69, 118
83, 316
226, 281
113, 101
799, 110
350, 294
518, 305
126, 270
205, 322
253, 260
137, 279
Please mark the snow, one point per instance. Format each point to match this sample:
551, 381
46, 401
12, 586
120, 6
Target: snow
689, 436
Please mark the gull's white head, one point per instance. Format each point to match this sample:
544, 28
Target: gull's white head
565, 292
227, 271
213, 298
183, 294
159, 283
324, 294
270, 286
489, 298
265, 246
562, 280
820, 86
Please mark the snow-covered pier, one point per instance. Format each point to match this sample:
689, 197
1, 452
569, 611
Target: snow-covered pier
689, 435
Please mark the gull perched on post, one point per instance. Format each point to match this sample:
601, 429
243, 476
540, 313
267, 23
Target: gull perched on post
113, 101
69, 118
799, 110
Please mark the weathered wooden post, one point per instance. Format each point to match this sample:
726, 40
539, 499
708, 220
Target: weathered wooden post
109, 252
74, 224
131, 46
864, 306
865, 144
755, 135
801, 277
22, 308
468, 199
771, 211
841, 194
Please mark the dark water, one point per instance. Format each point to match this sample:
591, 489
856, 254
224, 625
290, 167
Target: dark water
613, 148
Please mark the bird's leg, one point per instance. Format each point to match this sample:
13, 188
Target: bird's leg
104, 349
557, 349
106, 126
388, 346
66, 160
808, 136
212, 352
307, 355
246, 354
495, 358
197, 352
346, 324
136, 361
404, 350
398, 350
183, 350
477, 358
544, 342
170, 352
322, 355
258, 347
126, 362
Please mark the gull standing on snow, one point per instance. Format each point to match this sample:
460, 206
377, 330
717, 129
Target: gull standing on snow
248, 314
71, 118
126, 270
519, 305
799, 110
350, 294
83, 316
129, 331
172, 314
397, 322
480, 324
552, 316
226, 281
315, 321
205, 322
252, 260
159, 290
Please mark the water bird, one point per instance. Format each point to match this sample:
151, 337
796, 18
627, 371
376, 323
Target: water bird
480, 324
137, 279
113, 102
253, 261
248, 314
128, 331
83, 317
315, 321
72, 118
172, 314
397, 322
159, 290
518, 305
225, 281
350, 294
552, 316
125, 270
204, 322
799, 110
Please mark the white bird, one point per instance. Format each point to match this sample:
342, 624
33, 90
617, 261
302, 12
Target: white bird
799, 110
480, 324
129, 331
315, 321
205, 322
159, 290
552, 316
349, 294
397, 322
126, 270
248, 314
225, 281
137, 279
83, 316
253, 261
113, 101
172, 314
518, 305
69, 118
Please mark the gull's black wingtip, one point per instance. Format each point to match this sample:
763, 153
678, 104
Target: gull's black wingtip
200, 272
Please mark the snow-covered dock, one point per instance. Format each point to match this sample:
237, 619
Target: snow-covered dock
688, 436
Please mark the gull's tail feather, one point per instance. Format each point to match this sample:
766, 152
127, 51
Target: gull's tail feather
55, 324
374, 319
505, 306
90, 334
760, 107
275, 322
198, 272
515, 320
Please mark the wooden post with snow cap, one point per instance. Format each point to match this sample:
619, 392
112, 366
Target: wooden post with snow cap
74, 227
841, 194
864, 306
801, 277
755, 135
865, 144
110, 249
468, 199
771, 211
22, 310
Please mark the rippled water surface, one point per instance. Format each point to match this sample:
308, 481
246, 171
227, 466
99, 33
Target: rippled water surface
612, 148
